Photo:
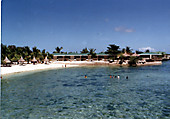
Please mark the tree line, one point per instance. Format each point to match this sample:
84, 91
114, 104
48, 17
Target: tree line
14, 53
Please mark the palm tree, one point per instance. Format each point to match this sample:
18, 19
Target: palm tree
92, 52
138, 52
43, 53
123, 50
27, 50
85, 50
133, 60
128, 50
147, 51
113, 51
58, 49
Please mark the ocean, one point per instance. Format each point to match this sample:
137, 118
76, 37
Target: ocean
66, 93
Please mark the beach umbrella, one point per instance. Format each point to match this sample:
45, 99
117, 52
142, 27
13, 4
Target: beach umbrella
21, 59
6, 60
34, 60
46, 59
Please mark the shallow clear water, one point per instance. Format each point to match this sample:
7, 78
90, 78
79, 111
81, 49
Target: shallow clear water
65, 93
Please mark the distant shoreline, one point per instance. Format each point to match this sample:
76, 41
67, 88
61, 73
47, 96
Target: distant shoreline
62, 64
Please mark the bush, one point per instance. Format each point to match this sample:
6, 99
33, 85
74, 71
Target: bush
133, 61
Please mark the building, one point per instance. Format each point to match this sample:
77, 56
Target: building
79, 57
151, 56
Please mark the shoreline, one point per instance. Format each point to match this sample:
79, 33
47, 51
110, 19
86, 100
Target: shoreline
30, 67
61, 64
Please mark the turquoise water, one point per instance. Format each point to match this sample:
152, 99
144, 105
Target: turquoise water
65, 93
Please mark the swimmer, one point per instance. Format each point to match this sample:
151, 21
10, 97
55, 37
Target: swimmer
85, 76
118, 77
126, 77
110, 76
113, 76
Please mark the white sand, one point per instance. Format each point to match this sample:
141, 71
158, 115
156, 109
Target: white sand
31, 67
60, 64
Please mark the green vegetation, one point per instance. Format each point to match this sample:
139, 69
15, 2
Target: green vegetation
92, 52
14, 53
113, 51
85, 50
58, 50
133, 60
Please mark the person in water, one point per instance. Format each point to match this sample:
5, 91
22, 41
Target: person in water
126, 77
85, 76
118, 77
113, 76
110, 76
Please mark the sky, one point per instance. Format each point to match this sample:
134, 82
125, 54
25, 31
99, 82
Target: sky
76, 24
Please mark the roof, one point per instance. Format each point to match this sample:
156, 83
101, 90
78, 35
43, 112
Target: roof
102, 54
78, 54
71, 54
21, 59
150, 53
46, 59
7, 60
34, 60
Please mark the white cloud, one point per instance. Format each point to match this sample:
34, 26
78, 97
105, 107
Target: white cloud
147, 48
123, 29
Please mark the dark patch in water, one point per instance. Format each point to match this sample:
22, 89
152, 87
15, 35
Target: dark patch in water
98, 95
35, 98
60, 110
110, 107
142, 104
166, 109
48, 95
69, 96
65, 107
68, 85
75, 98
80, 85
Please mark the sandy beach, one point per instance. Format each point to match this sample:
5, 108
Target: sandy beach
31, 67
61, 64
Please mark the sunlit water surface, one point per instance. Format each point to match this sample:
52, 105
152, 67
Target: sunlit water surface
65, 93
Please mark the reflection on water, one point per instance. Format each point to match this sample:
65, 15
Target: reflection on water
65, 93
